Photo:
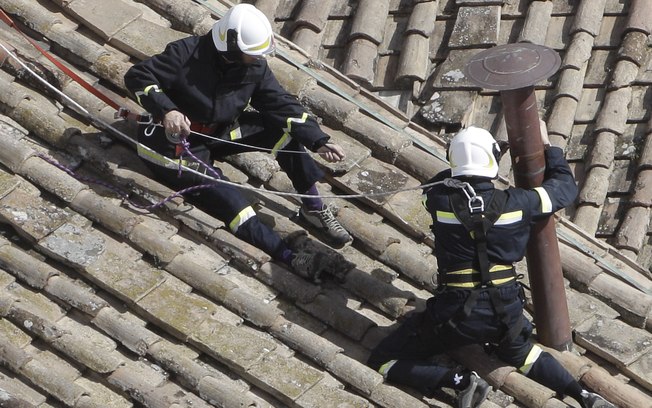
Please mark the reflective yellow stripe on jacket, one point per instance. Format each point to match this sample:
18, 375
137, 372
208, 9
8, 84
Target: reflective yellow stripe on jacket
512, 217
146, 91
285, 139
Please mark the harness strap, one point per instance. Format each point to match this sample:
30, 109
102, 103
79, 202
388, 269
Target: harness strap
477, 221
513, 330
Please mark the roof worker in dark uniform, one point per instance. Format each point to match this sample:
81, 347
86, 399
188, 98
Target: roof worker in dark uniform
220, 85
480, 232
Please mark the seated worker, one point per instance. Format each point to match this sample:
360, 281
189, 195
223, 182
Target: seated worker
480, 232
217, 93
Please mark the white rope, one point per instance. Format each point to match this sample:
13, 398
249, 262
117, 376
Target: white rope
108, 126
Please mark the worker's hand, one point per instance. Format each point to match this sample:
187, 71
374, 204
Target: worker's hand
331, 152
544, 133
176, 124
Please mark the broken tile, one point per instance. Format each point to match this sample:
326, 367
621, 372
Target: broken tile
475, 27
93, 13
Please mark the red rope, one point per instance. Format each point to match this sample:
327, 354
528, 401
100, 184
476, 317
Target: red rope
4, 17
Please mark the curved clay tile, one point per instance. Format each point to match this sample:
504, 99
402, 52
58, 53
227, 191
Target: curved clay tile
422, 18
536, 22
632, 231
280, 332
588, 17
310, 23
369, 20
313, 14
640, 16
361, 55
414, 62
187, 14
268, 7
308, 40
562, 116
634, 47
570, 83
578, 53
614, 111
414, 59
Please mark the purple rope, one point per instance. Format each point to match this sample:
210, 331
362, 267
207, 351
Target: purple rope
125, 195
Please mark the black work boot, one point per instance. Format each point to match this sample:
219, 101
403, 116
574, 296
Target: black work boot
308, 265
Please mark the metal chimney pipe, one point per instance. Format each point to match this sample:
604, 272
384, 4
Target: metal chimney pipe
513, 69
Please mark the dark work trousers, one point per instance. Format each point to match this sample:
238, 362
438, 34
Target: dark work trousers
426, 334
224, 201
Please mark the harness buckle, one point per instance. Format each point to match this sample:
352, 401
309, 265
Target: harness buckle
476, 204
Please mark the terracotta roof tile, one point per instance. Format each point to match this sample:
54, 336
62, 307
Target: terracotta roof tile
20, 395
39, 371
633, 47
562, 116
369, 21
639, 16
602, 345
313, 14
307, 39
612, 210
632, 233
579, 51
613, 114
588, 17
595, 188
439, 38
422, 18
642, 197
269, 8
361, 56
413, 63
638, 112
536, 23
624, 74
374, 114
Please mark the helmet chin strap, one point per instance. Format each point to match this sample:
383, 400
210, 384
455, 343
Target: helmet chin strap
232, 57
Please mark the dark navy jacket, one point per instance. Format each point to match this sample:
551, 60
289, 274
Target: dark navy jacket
508, 238
191, 77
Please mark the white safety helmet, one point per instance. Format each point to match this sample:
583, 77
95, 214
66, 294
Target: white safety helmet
473, 152
246, 29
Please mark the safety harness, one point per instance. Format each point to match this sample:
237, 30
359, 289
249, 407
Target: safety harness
477, 219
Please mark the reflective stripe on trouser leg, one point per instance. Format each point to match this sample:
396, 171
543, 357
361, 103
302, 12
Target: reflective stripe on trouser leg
546, 370
263, 237
531, 358
243, 216
384, 369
